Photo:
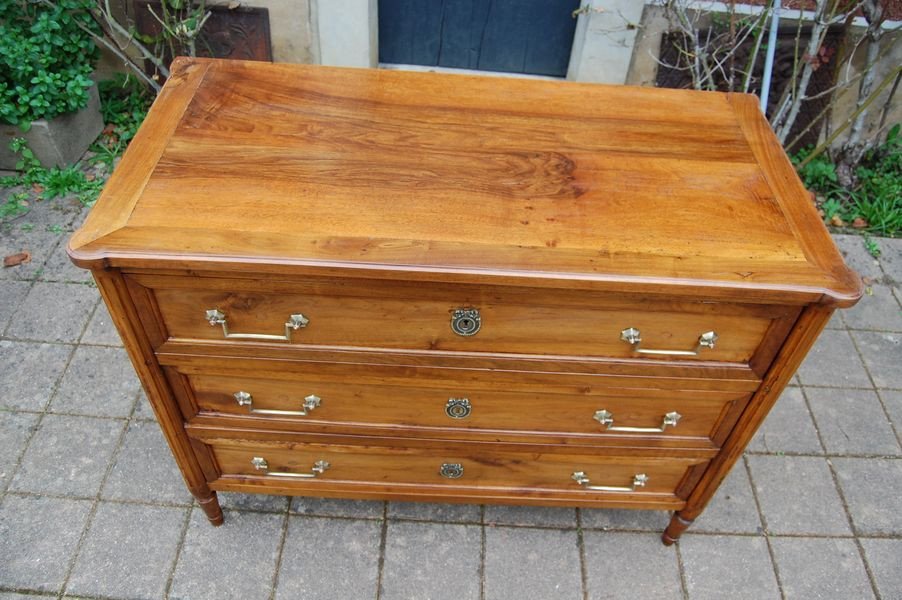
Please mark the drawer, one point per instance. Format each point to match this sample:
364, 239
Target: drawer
474, 405
462, 320
461, 470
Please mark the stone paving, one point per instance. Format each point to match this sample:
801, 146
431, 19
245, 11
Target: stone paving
813, 510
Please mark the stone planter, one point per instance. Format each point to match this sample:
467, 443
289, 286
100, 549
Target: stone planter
58, 142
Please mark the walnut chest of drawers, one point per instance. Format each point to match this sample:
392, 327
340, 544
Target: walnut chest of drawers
412, 286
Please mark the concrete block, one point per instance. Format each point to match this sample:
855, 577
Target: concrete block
58, 142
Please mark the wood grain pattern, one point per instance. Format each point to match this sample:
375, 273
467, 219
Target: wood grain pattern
386, 468
377, 202
360, 170
420, 324
419, 411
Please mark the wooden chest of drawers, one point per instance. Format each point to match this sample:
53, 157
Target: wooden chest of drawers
410, 286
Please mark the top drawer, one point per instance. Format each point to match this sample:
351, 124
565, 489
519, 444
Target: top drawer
471, 319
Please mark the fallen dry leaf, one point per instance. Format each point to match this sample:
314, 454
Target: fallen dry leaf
859, 223
16, 259
837, 221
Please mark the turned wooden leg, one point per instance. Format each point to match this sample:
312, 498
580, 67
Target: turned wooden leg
675, 529
211, 507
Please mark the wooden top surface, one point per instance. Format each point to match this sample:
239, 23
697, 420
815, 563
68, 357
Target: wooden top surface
373, 173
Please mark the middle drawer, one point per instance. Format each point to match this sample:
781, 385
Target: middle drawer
474, 405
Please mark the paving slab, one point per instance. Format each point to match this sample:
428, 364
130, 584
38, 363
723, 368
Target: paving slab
431, 560
734, 567
334, 507
733, 508
15, 596
891, 259
833, 361
98, 382
622, 519
38, 539
630, 565
531, 516
29, 372
882, 353
101, 329
59, 268
872, 489
27, 236
129, 552
431, 511
143, 409
797, 495
15, 429
788, 427
820, 568
856, 256
144, 469
836, 321
892, 401
68, 455
852, 422
236, 560
11, 295
53, 312
259, 502
329, 558
877, 310
531, 564
884, 557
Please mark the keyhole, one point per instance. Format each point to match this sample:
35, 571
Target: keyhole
465, 321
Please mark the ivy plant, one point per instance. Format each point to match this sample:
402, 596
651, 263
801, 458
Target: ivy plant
46, 58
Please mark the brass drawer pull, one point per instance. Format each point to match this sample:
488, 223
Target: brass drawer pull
633, 337
217, 317
607, 418
245, 399
318, 468
639, 480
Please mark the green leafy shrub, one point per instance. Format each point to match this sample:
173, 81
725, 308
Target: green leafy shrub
124, 103
876, 198
819, 174
46, 58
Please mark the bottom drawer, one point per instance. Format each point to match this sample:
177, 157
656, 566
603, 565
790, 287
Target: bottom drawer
453, 471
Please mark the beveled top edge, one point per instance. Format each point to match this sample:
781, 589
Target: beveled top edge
841, 286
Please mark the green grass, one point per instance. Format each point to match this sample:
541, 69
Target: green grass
877, 197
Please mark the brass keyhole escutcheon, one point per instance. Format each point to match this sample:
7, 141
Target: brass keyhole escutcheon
458, 408
452, 470
466, 321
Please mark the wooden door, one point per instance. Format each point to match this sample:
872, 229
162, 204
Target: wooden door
515, 36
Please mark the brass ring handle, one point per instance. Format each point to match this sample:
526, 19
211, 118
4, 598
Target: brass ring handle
318, 468
607, 418
639, 480
632, 336
245, 399
217, 317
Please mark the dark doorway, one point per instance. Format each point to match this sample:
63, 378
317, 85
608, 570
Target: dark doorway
514, 36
